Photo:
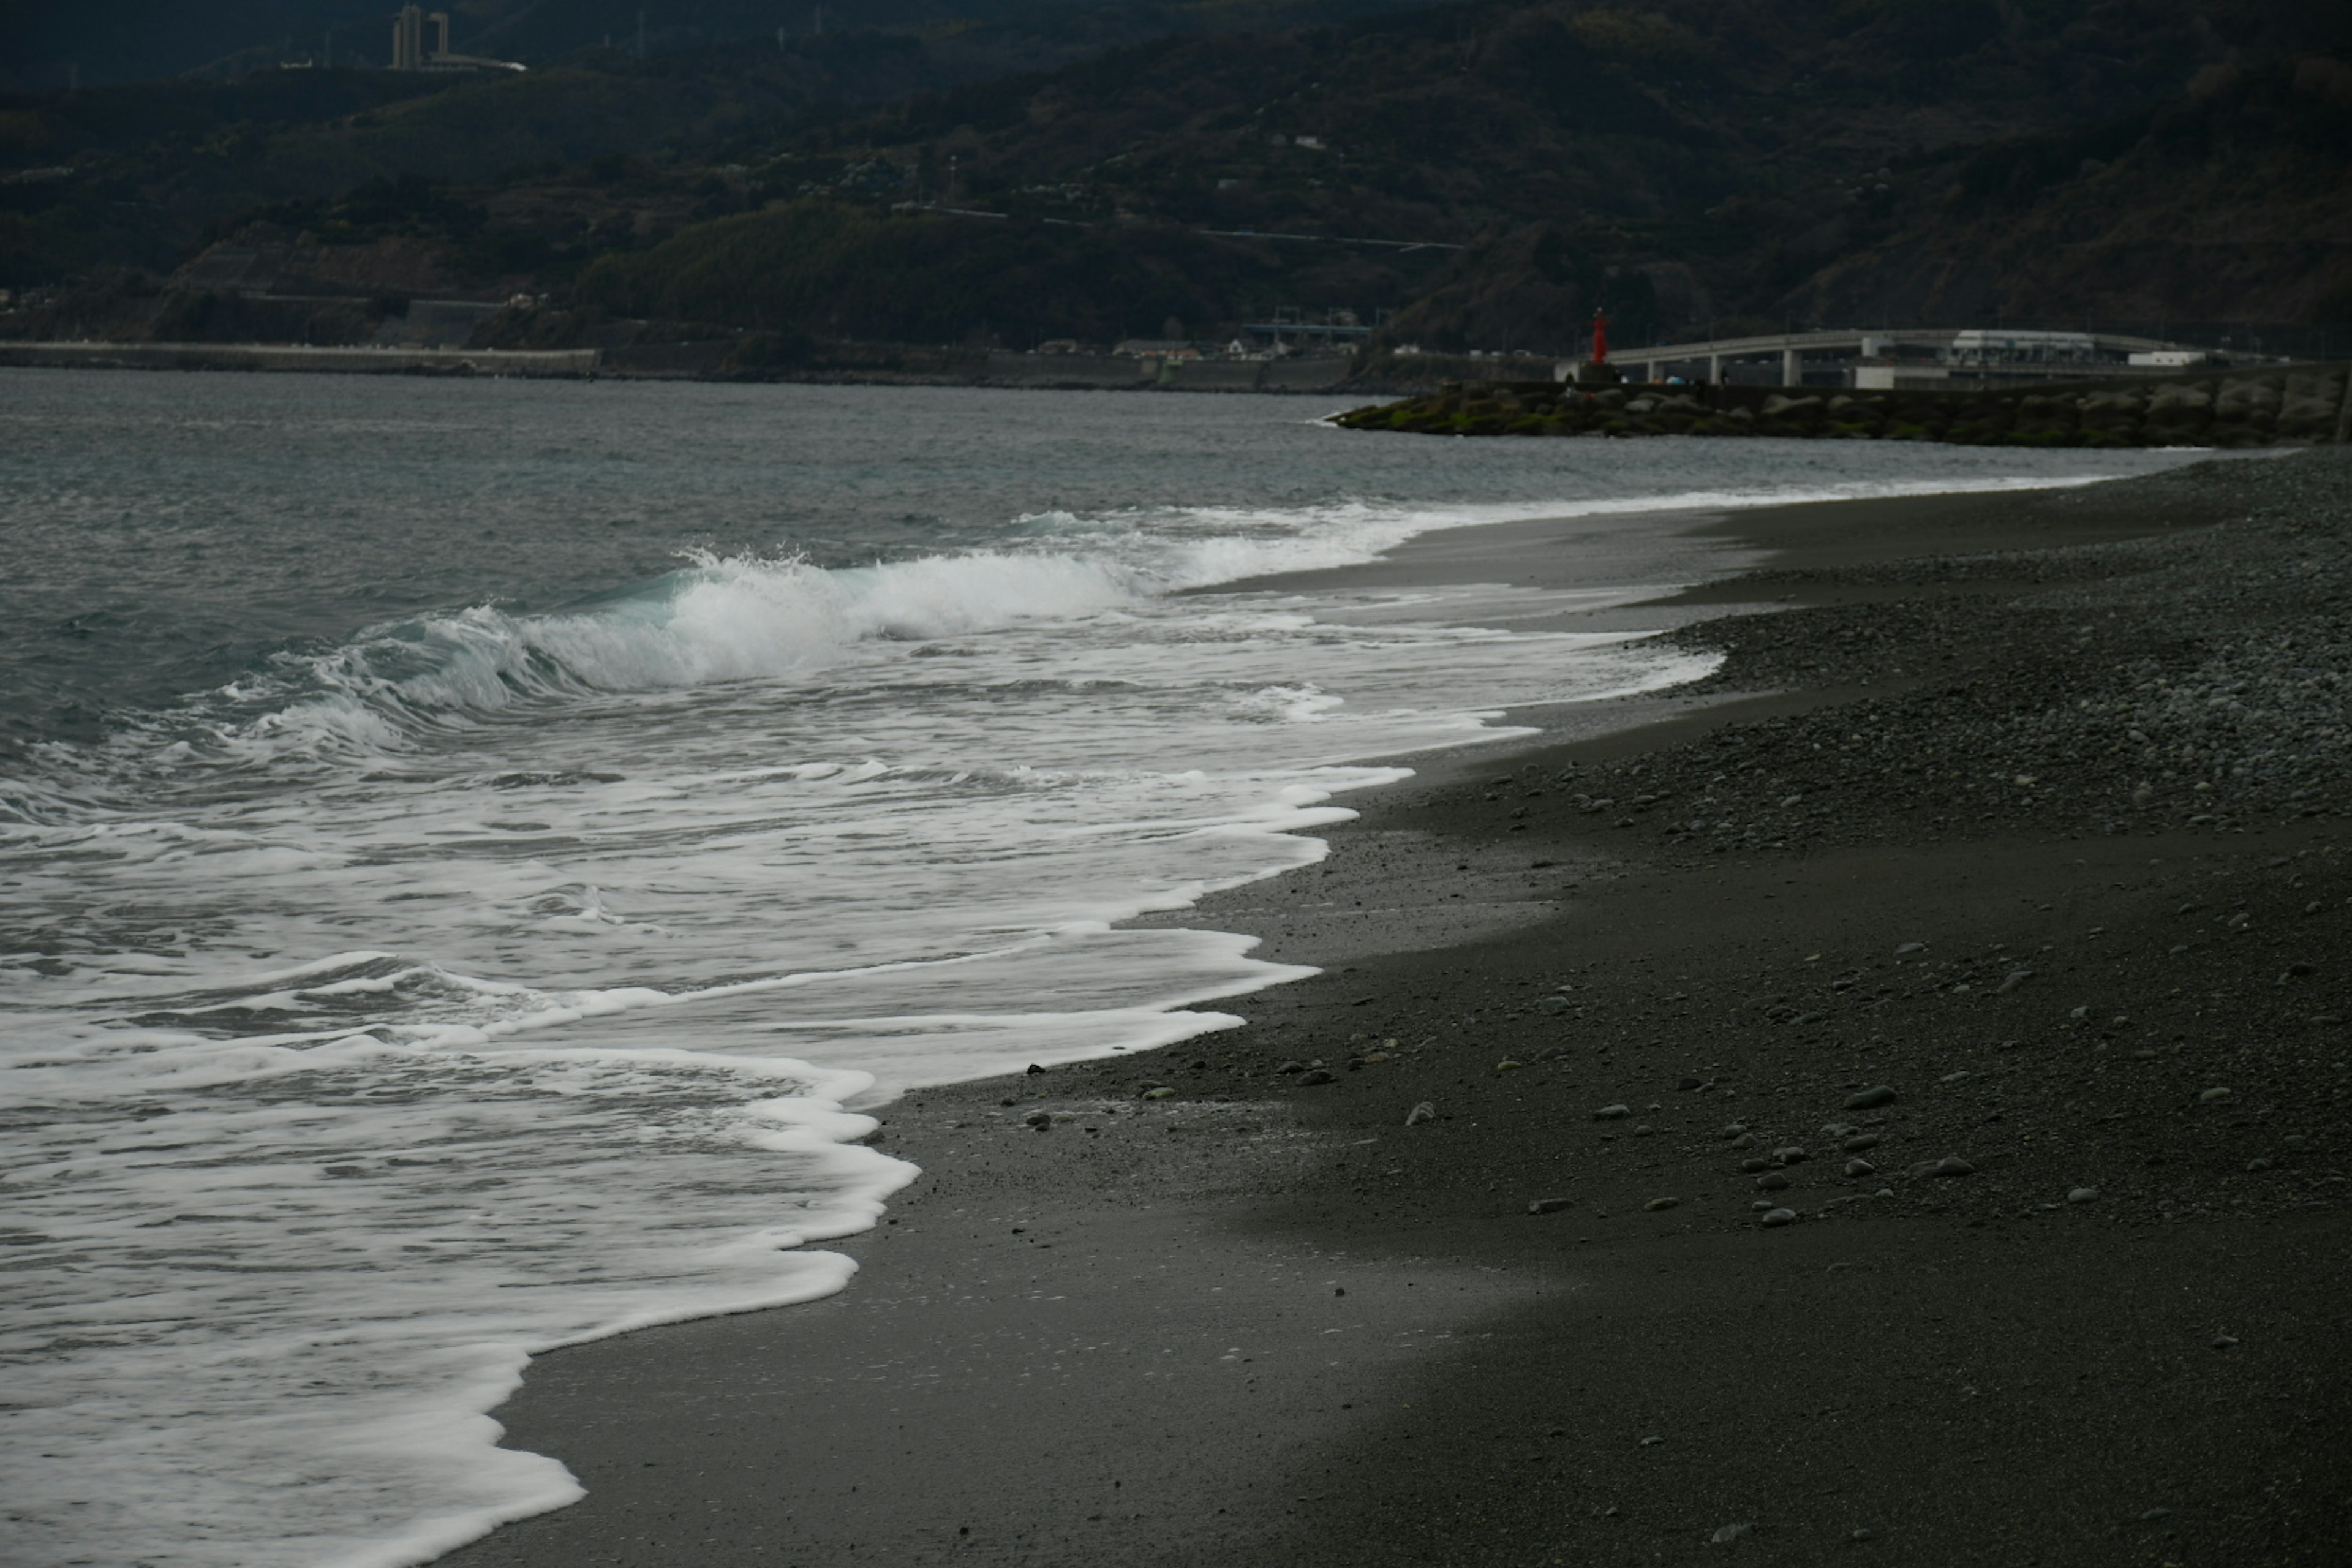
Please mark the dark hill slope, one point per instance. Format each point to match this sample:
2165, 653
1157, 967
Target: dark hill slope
137, 40
146, 169
2233, 203
150, 164
1693, 160
1555, 110
1690, 165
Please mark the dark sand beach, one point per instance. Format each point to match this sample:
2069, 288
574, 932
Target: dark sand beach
2030, 809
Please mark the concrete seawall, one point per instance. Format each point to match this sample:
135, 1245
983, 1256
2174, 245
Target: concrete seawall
695, 361
559, 363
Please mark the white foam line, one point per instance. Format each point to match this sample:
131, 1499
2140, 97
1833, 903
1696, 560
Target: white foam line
1416, 523
816, 1118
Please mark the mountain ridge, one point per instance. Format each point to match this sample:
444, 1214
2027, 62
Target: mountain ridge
1696, 166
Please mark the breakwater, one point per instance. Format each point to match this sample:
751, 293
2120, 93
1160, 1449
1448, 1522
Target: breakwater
2290, 405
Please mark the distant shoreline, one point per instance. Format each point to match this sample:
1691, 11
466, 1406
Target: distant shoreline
702, 362
573, 363
1027, 372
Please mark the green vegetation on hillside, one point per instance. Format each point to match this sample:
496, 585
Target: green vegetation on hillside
850, 271
1475, 176
142, 40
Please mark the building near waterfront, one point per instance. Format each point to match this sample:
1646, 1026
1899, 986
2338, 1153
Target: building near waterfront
409, 52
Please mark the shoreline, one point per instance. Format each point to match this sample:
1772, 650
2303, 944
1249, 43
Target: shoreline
1127, 1335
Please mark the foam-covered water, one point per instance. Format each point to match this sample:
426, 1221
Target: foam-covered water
470, 856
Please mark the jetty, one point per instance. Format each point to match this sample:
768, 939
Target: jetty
2263, 407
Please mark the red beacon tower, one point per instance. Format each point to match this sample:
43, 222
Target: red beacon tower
1596, 370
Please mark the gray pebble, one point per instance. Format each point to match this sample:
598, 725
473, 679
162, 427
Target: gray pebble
1860, 1142
1749, 1167
1549, 1205
1909, 948
1657, 1206
1791, 1155
1949, 1165
2258, 1163
1860, 1168
1420, 1114
1870, 1099
2213, 1097
1734, 1130
1772, 1219
1318, 1076
1745, 1141
1554, 1004
1772, 1182
1731, 1533
2084, 1196
1612, 1112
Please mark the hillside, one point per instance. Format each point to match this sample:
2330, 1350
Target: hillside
2233, 202
135, 175
1697, 165
1477, 175
117, 41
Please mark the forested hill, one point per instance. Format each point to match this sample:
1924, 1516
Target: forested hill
1484, 173
1691, 164
112, 41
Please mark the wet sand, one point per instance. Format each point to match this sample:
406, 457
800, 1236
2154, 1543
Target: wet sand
1262, 1320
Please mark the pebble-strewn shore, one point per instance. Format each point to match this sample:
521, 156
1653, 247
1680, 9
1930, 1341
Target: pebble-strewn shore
2200, 680
2193, 690
1902, 1114
2258, 408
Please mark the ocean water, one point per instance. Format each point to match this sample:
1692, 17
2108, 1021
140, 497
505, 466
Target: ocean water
472, 854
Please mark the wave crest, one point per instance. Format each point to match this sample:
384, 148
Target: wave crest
715, 620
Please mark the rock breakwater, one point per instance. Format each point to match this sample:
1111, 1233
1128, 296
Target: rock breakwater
2278, 406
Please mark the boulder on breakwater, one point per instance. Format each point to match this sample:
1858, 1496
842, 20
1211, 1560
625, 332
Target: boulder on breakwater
2291, 405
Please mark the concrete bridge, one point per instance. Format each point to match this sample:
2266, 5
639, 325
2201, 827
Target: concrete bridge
1920, 355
